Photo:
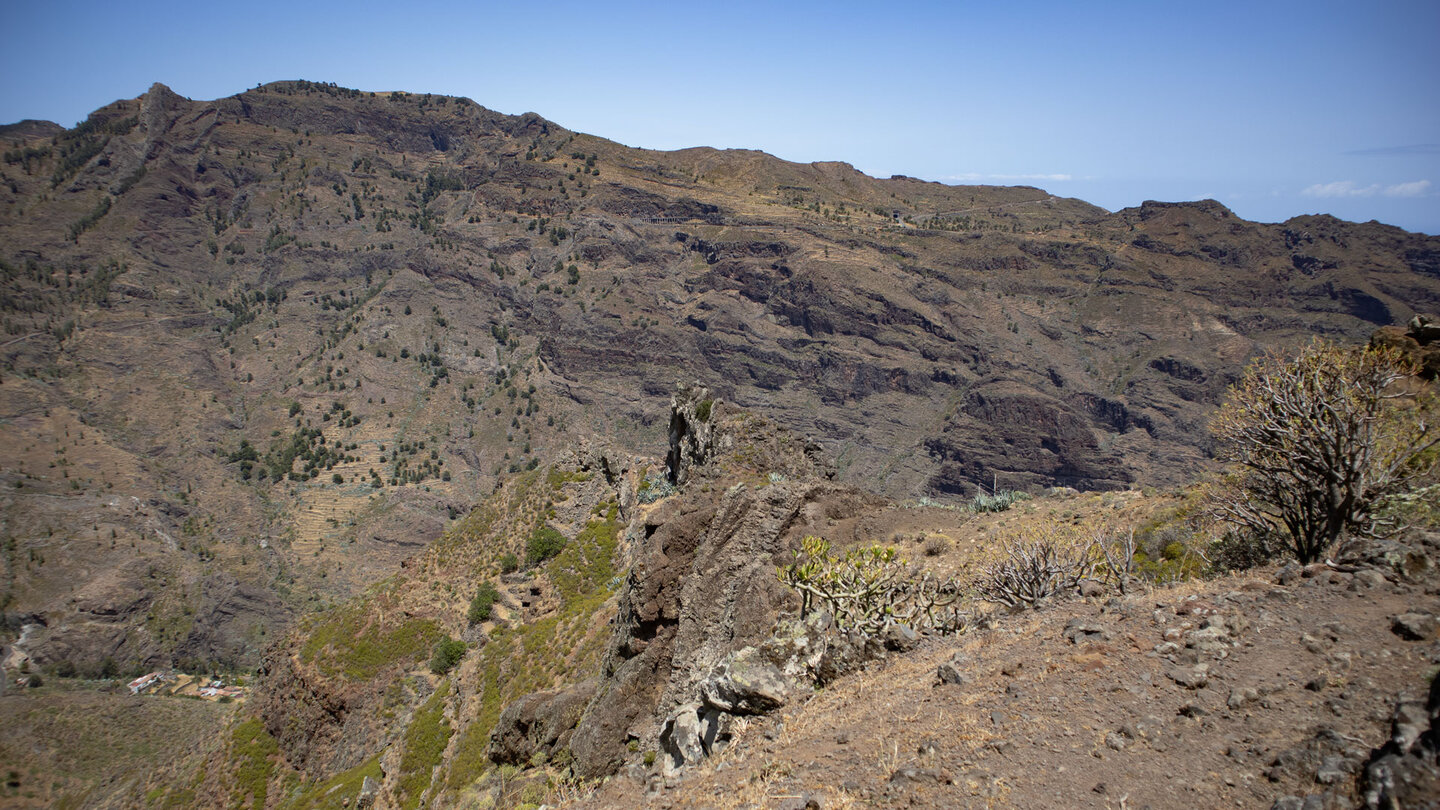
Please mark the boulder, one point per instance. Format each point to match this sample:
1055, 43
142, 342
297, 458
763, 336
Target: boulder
1190, 677
716, 729
745, 683
681, 738
540, 722
1425, 329
1241, 696
1414, 626
899, 638
953, 671
369, 789
845, 652
1405, 772
1078, 630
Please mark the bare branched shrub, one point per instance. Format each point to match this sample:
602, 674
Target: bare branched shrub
1041, 561
1317, 443
1116, 547
871, 587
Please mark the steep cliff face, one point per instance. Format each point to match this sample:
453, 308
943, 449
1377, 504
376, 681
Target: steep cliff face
702, 582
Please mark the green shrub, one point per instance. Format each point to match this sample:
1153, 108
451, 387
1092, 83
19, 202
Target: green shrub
509, 563
1169, 549
425, 740
448, 652
868, 587
1316, 444
255, 750
545, 543
485, 599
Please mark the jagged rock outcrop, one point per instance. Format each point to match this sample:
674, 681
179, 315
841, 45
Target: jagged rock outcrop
702, 587
693, 414
539, 723
306, 714
1419, 341
1405, 771
757, 680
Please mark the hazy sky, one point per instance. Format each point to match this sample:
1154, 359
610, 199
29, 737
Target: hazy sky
1273, 108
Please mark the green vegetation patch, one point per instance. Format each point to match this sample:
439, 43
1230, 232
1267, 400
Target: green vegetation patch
583, 569
483, 603
447, 654
544, 543
999, 502
558, 477
425, 742
255, 750
559, 648
338, 791
348, 642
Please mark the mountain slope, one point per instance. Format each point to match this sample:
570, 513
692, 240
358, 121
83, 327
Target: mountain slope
259, 350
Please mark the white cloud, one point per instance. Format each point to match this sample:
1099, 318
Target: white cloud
1417, 188
971, 177
1349, 188
1340, 188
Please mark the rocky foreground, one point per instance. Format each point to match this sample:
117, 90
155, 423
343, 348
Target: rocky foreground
656, 659
1240, 691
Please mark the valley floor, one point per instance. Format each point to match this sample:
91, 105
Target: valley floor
74, 744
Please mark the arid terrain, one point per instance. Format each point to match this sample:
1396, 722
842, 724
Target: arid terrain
289, 380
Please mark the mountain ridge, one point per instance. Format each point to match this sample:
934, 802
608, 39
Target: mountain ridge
419, 296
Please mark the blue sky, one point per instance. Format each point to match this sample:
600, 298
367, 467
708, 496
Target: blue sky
1273, 108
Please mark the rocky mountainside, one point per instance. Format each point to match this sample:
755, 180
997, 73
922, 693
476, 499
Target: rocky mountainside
257, 351
654, 658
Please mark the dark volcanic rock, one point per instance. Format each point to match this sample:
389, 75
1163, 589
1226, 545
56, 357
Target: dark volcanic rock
1024, 436
703, 588
541, 722
1405, 771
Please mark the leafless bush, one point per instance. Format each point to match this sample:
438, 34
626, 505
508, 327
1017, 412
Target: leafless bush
1040, 563
1116, 548
1317, 444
